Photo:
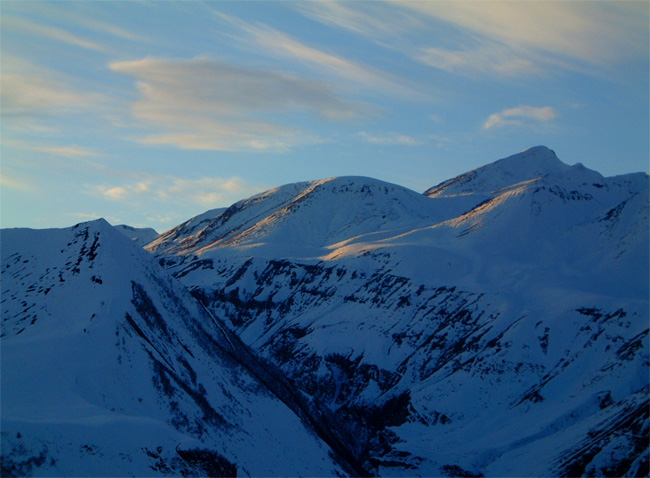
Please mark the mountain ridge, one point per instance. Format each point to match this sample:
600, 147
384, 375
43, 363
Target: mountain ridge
298, 228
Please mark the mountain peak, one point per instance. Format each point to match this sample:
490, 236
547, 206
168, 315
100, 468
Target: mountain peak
99, 224
531, 164
534, 158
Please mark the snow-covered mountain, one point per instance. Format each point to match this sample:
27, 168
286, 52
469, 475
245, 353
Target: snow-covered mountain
110, 368
496, 325
302, 220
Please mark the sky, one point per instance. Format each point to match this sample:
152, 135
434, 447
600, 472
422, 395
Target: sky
148, 113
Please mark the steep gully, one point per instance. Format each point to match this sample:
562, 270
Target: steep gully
277, 383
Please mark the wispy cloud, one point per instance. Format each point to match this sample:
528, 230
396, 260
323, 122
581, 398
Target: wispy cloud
208, 191
90, 20
498, 39
123, 192
389, 139
31, 92
517, 116
111, 29
8, 181
29, 95
50, 32
371, 19
204, 192
593, 32
67, 151
37, 106
279, 44
203, 103
488, 59
529, 38
36, 158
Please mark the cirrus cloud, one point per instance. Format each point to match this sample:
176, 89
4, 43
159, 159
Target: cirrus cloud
354, 74
50, 32
593, 32
499, 39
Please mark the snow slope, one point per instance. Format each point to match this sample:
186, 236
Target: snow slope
110, 368
139, 235
183, 232
496, 325
301, 220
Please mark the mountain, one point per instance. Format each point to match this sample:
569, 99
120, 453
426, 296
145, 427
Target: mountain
302, 219
110, 368
495, 325
139, 235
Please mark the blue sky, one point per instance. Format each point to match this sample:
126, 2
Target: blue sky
148, 113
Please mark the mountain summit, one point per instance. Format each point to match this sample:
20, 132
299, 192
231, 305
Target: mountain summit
530, 165
496, 325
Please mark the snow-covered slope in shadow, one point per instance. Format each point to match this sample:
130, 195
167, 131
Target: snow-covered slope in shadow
110, 368
140, 235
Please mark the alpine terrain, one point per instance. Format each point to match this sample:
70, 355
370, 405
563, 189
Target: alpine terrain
496, 325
